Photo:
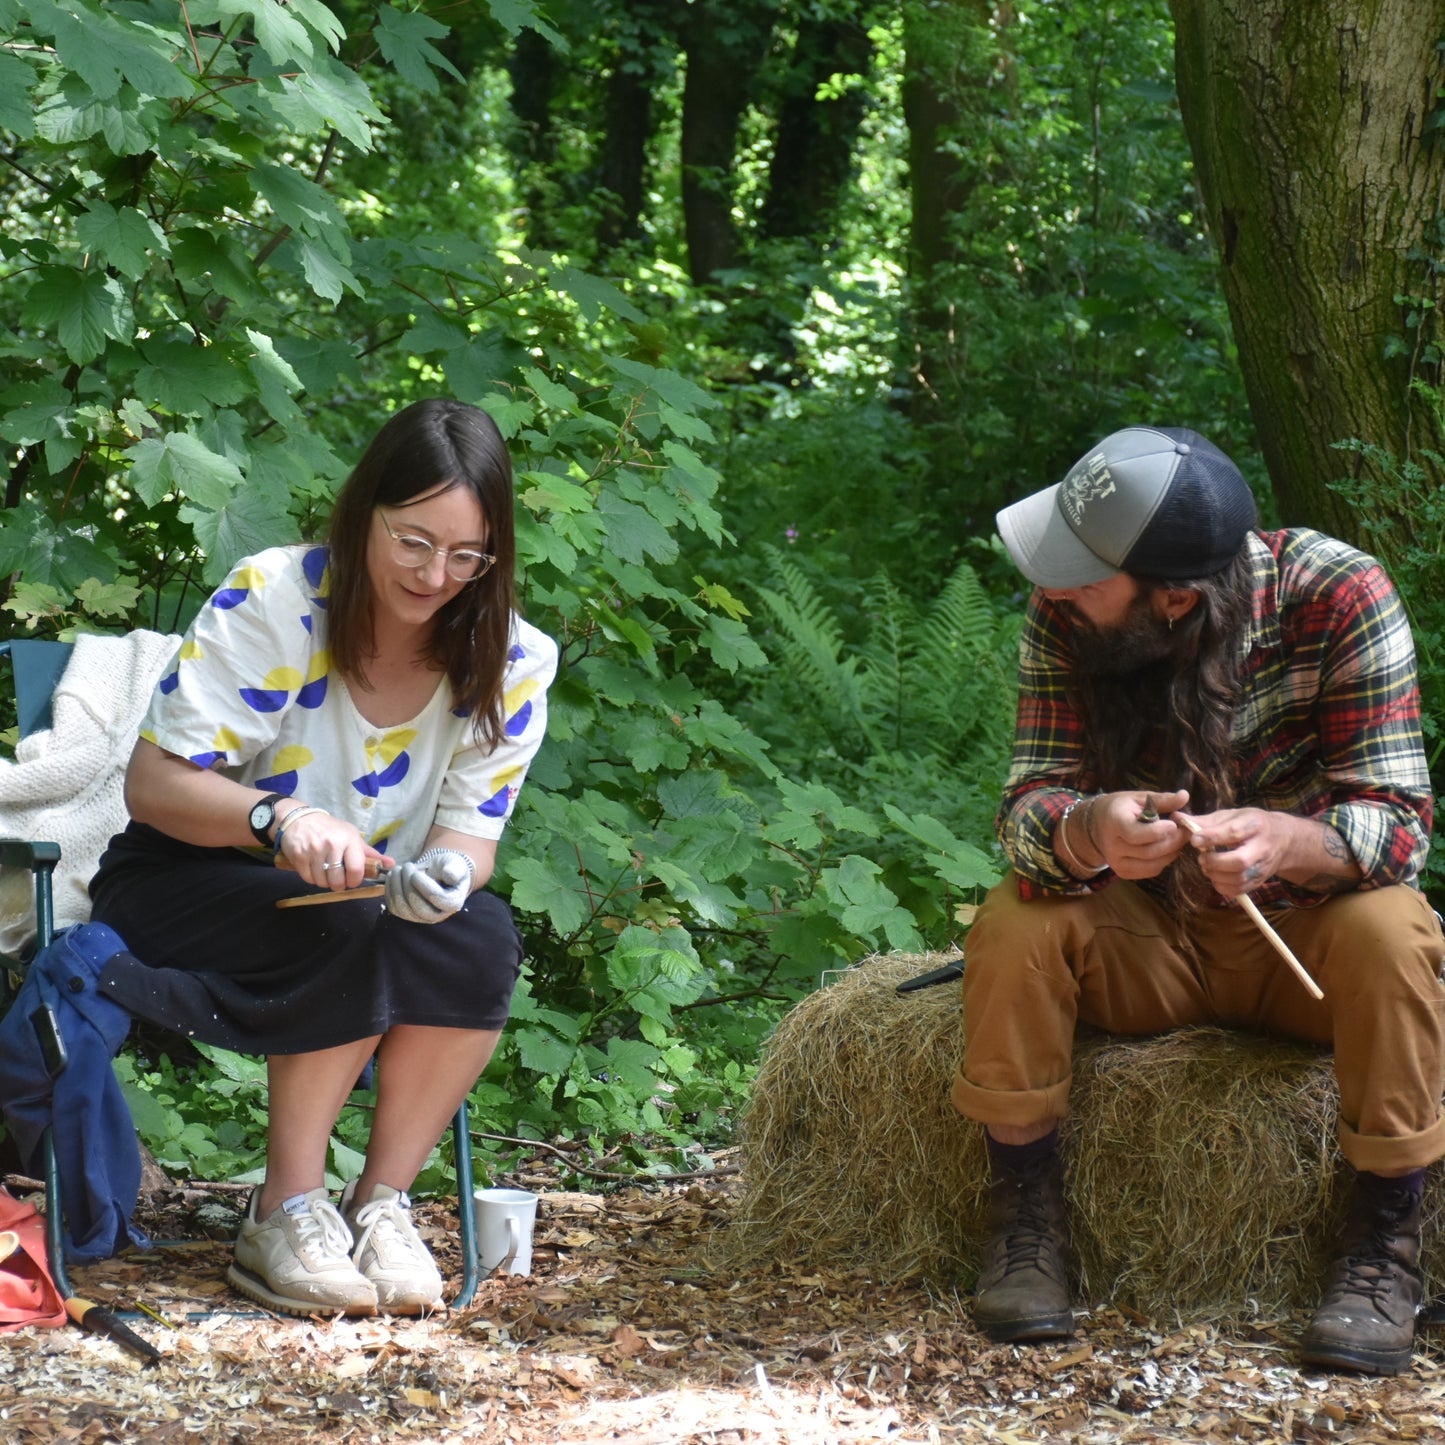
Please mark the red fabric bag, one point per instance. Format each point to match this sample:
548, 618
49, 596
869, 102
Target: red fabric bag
27, 1293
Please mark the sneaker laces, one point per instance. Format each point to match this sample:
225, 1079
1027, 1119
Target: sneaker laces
387, 1222
321, 1223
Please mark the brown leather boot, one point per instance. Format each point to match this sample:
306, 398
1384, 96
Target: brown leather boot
1022, 1292
1366, 1321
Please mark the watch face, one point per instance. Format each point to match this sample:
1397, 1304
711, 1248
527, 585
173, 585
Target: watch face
262, 814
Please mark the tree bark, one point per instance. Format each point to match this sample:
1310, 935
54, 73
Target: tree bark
1319, 180
533, 69
948, 66
813, 154
628, 125
725, 42
644, 46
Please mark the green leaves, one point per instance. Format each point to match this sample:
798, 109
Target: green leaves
868, 907
405, 39
219, 284
549, 888
286, 32
16, 110
104, 48
123, 237
84, 309
183, 463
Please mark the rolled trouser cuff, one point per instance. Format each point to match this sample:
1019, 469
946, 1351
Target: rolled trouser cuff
1382, 1155
1019, 1107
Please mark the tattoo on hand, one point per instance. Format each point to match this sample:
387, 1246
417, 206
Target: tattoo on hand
1336, 846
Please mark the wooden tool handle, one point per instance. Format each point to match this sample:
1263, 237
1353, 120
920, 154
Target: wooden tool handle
371, 873
345, 895
1260, 921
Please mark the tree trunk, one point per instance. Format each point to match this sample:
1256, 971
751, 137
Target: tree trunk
814, 150
950, 57
725, 43
1308, 124
628, 125
643, 52
533, 70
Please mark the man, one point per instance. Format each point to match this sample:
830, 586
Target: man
1178, 664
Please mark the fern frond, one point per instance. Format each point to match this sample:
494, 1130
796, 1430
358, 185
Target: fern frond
885, 681
965, 691
809, 642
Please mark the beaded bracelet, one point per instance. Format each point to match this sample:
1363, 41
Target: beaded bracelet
287, 821
1070, 857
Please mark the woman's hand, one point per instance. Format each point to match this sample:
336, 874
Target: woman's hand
326, 851
430, 888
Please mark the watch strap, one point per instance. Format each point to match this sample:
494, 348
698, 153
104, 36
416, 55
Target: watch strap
260, 834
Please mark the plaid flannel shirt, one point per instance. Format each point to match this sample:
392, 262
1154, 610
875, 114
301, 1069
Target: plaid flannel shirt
1328, 725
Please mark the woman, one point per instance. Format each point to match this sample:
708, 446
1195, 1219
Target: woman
371, 705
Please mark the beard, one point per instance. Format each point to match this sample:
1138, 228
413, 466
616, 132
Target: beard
1141, 639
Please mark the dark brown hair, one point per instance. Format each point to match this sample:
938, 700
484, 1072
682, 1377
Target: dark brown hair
1168, 724
430, 444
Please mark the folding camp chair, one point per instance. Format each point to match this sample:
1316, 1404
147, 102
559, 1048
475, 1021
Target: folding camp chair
37, 667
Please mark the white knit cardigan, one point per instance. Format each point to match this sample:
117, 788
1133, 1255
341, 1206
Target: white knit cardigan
66, 784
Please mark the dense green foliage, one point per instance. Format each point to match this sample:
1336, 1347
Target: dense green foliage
752, 496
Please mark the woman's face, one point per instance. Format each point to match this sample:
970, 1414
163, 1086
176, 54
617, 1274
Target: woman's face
450, 518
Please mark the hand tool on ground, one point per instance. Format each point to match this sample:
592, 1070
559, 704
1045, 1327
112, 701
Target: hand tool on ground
90, 1316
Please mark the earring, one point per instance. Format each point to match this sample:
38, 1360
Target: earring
1171, 622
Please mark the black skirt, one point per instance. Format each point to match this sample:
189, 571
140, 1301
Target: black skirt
216, 960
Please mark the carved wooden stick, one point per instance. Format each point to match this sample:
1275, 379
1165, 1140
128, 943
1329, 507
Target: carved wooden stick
345, 895
1260, 921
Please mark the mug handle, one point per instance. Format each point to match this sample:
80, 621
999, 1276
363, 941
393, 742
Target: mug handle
514, 1241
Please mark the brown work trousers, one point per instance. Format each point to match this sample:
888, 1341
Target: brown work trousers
1117, 960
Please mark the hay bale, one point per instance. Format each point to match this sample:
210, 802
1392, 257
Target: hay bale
1202, 1169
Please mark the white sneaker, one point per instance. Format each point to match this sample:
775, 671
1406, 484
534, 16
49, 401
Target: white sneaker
296, 1260
390, 1253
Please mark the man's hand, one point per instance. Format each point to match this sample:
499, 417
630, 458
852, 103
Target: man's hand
1242, 848
429, 888
1119, 828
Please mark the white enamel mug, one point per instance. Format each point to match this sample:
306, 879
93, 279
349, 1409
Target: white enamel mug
505, 1218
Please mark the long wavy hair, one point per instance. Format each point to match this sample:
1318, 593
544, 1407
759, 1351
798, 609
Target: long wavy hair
1167, 724
429, 444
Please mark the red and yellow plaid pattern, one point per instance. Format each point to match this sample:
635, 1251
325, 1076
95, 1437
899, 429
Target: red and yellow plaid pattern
1328, 726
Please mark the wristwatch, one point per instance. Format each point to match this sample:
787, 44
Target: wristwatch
263, 816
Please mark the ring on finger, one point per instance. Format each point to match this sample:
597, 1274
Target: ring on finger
339, 863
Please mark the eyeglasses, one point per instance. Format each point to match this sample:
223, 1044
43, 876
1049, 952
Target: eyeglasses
463, 564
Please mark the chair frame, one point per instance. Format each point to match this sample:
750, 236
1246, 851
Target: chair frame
37, 667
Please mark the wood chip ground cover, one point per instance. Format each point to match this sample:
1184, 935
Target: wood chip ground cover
625, 1334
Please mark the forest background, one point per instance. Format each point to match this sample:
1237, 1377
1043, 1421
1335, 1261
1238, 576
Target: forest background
776, 301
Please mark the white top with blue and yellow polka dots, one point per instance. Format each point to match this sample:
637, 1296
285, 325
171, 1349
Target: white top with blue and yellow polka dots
252, 694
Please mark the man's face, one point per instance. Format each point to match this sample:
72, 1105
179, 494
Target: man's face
1103, 604
1119, 627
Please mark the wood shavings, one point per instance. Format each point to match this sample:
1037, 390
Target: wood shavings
613, 1342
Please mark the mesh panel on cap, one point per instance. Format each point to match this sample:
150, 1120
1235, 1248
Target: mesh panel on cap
1202, 523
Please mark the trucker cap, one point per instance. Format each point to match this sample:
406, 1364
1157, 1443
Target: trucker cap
1151, 501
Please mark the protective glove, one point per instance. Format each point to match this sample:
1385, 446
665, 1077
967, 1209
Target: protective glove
431, 887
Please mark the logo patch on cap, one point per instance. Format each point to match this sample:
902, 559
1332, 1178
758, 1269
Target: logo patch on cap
1088, 481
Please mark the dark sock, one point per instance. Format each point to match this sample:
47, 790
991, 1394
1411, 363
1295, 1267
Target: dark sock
1015, 1157
1379, 1186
